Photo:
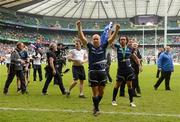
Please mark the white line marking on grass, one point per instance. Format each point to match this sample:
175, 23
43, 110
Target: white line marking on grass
86, 111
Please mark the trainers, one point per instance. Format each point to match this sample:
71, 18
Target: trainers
114, 103
18, 90
132, 104
155, 88
5, 93
82, 96
96, 112
136, 95
64, 93
67, 94
44, 94
24, 92
168, 89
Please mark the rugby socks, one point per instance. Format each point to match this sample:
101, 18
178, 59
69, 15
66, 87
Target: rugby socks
99, 99
115, 91
130, 91
95, 101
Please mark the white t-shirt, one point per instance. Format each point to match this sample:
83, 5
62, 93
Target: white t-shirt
8, 59
78, 54
37, 60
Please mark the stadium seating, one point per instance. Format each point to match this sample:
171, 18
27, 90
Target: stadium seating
29, 35
60, 23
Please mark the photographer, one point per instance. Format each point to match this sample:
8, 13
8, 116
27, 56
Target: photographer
26, 68
16, 68
51, 70
61, 60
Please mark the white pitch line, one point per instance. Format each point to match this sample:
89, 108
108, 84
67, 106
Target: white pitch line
86, 111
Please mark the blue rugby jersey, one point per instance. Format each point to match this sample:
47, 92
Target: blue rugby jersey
96, 56
123, 56
24, 55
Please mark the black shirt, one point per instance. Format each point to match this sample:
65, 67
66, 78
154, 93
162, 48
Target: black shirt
133, 63
52, 55
60, 53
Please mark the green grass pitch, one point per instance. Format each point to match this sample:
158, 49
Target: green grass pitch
153, 106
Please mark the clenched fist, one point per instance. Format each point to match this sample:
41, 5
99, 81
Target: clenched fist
78, 23
117, 26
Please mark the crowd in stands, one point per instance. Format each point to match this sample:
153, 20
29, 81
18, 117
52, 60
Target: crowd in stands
18, 35
30, 36
57, 23
149, 39
151, 53
6, 48
24, 35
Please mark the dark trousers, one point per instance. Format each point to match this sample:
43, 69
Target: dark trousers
20, 75
108, 75
135, 85
49, 77
157, 74
60, 66
164, 75
39, 69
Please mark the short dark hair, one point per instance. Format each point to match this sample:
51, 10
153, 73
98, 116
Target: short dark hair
127, 39
78, 40
59, 44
